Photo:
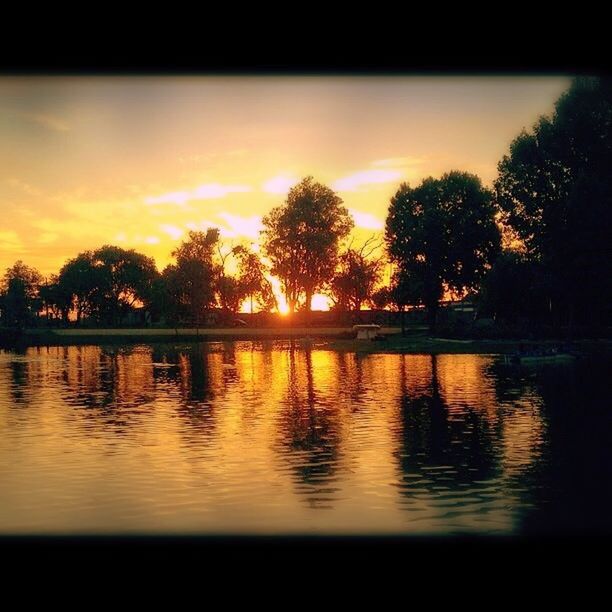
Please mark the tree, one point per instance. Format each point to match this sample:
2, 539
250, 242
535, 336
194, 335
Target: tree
108, 282
20, 294
515, 288
230, 293
255, 284
192, 281
442, 235
229, 289
302, 237
555, 191
55, 300
80, 280
126, 279
356, 276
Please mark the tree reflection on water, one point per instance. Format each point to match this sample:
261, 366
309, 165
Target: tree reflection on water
270, 434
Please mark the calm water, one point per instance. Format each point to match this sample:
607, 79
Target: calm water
250, 437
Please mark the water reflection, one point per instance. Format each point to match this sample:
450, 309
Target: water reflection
274, 437
308, 427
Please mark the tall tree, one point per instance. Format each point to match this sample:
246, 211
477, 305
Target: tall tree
555, 190
302, 238
442, 235
193, 279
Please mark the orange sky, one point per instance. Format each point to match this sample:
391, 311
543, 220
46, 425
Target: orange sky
138, 161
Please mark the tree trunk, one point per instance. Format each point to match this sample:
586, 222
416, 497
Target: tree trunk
308, 305
309, 300
432, 315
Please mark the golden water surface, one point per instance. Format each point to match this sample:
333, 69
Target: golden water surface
252, 437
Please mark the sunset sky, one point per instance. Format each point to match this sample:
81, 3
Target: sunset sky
137, 162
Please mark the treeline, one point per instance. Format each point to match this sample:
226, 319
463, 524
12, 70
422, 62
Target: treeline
534, 248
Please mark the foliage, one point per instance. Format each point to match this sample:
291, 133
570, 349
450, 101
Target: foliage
253, 279
555, 191
56, 302
441, 234
514, 290
107, 283
302, 238
356, 276
191, 282
19, 298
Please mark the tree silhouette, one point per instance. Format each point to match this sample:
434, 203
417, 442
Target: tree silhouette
302, 237
126, 277
80, 280
19, 295
191, 282
353, 283
255, 284
442, 234
555, 190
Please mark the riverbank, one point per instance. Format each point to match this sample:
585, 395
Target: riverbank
55, 337
416, 341
430, 345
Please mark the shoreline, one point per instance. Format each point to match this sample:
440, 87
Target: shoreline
417, 341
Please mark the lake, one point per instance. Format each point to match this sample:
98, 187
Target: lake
273, 438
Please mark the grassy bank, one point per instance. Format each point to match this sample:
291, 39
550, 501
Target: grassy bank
417, 339
37, 337
424, 344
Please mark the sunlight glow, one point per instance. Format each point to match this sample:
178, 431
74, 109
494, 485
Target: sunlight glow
241, 226
366, 220
321, 302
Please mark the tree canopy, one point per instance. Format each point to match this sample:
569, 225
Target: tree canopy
302, 238
442, 234
191, 282
356, 276
107, 282
19, 294
555, 191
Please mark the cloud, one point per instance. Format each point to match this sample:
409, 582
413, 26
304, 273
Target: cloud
47, 237
23, 186
233, 226
280, 184
50, 122
10, 241
352, 182
202, 192
200, 226
241, 226
366, 220
172, 230
399, 162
